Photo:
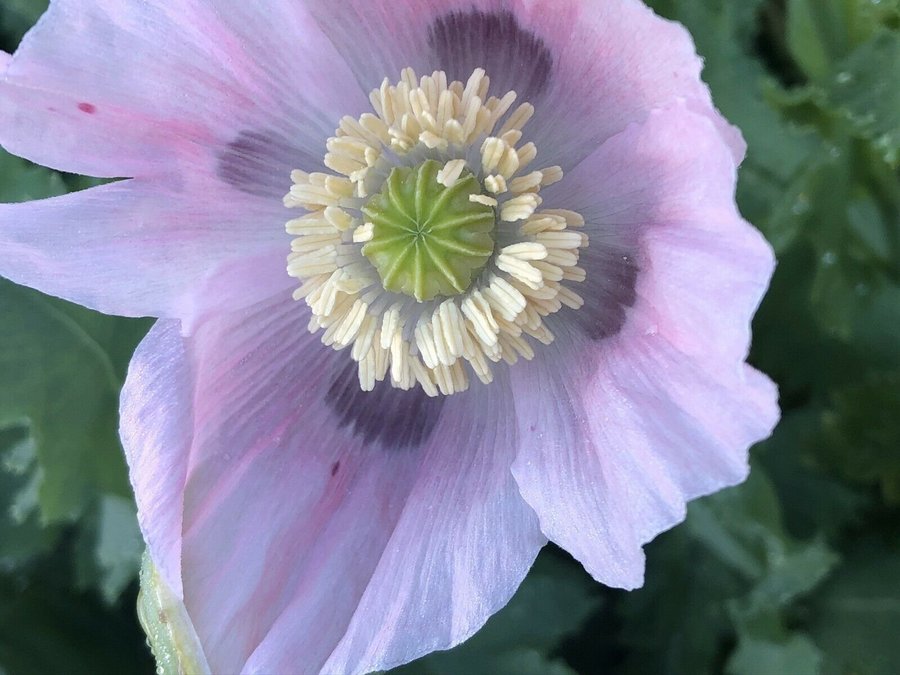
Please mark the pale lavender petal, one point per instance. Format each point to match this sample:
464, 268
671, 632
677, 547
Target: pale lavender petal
446, 567
619, 439
379, 38
164, 81
658, 200
323, 525
648, 402
156, 424
615, 61
148, 247
589, 67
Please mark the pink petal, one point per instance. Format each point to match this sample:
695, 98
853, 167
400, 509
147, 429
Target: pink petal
661, 194
589, 67
156, 429
615, 62
125, 89
148, 247
323, 528
650, 405
614, 446
378, 38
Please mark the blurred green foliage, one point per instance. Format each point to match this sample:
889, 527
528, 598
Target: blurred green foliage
797, 571
16, 17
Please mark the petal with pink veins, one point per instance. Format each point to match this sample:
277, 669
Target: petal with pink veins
155, 247
165, 81
647, 400
658, 201
620, 440
324, 526
156, 425
590, 67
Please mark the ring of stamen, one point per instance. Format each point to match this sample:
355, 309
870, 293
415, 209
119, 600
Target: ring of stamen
496, 266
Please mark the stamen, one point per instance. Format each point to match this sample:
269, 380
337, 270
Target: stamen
495, 184
451, 172
483, 199
396, 253
520, 208
364, 233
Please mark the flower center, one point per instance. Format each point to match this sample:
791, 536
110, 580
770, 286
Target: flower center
428, 239
426, 252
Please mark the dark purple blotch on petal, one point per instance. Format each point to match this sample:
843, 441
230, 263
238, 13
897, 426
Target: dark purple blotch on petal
387, 416
608, 291
260, 163
513, 57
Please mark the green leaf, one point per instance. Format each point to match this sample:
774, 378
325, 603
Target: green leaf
62, 368
788, 342
22, 537
864, 88
840, 289
785, 569
111, 547
677, 623
797, 655
16, 17
837, 207
863, 432
876, 338
814, 503
821, 32
552, 603
743, 527
855, 616
854, 63
765, 645
21, 181
58, 378
45, 627
749, 522
730, 571
817, 34
789, 211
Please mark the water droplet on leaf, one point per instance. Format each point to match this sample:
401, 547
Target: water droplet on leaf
801, 205
844, 77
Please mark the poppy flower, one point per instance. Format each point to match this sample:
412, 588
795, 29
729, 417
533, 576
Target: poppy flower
517, 304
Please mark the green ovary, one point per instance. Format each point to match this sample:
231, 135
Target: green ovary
428, 240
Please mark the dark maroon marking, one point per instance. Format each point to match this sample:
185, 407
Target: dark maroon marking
514, 57
260, 163
387, 416
608, 291
335, 467
88, 108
